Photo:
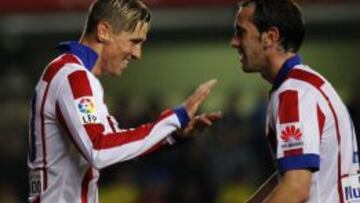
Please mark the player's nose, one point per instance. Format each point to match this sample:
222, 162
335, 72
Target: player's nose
235, 42
136, 52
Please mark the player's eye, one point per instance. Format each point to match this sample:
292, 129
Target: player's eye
137, 41
239, 31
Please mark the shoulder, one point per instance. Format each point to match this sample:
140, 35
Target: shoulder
60, 66
305, 77
302, 87
303, 80
67, 70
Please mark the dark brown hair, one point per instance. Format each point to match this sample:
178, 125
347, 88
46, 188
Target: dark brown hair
285, 15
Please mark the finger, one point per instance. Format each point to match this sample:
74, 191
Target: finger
206, 87
204, 121
210, 83
203, 91
199, 96
213, 116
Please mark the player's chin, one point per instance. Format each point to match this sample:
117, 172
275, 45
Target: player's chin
246, 69
118, 71
114, 73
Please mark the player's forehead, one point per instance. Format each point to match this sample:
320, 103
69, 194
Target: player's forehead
139, 33
244, 16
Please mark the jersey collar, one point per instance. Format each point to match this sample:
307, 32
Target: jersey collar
285, 69
87, 55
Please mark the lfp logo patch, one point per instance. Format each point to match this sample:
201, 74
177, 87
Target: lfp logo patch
86, 110
86, 106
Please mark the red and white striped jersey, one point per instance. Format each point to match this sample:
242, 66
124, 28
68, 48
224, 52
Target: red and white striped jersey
72, 135
309, 127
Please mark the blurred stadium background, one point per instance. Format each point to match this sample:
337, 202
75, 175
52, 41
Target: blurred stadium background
188, 44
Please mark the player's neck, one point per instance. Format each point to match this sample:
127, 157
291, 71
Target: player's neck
275, 63
91, 42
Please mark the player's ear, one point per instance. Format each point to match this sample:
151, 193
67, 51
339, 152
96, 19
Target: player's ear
103, 31
271, 36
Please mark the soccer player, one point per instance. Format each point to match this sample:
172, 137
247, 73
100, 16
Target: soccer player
308, 126
71, 135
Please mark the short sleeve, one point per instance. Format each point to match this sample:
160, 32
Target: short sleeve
297, 131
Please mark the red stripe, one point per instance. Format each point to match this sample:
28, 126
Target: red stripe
321, 121
156, 147
317, 82
111, 124
80, 85
101, 141
49, 74
43, 134
311, 78
85, 186
37, 200
293, 152
288, 107
57, 64
62, 122
339, 153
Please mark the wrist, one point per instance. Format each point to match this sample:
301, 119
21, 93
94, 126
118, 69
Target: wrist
182, 115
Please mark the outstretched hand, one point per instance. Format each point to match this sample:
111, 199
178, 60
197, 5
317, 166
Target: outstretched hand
198, 97
199, 123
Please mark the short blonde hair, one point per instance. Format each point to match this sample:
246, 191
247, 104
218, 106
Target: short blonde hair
123, 15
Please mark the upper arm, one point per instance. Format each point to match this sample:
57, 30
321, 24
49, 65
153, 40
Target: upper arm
77, 107
297, 130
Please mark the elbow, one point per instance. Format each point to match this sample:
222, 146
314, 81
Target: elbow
97, 165
96, 161
303, 195
100, 159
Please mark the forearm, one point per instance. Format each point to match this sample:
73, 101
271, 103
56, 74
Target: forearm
102, 149
294, 187
128, 144
265, 189
284, 194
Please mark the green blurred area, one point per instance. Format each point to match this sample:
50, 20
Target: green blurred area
175, 68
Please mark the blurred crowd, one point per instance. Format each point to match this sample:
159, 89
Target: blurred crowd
222, 164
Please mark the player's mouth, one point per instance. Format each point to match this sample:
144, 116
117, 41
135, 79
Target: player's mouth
241, 56
125, 62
